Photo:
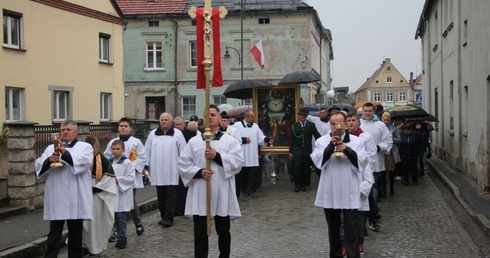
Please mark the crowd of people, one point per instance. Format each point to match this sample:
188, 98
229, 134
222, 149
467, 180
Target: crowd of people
352, 153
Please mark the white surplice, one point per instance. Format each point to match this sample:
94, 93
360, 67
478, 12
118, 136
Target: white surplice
97, 231
125, 174
251, 150
68, 189
163, 155
224, 201
322, 127
381, 137
339, 183
234, 132
141, 159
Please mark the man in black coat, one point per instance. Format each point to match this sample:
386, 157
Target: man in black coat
300, 149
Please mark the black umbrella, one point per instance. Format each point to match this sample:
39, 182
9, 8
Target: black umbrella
429, 118
407, 111
244, 89
300, 77
344, 106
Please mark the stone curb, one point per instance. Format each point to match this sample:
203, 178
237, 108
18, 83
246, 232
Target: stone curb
480, 219
38, 247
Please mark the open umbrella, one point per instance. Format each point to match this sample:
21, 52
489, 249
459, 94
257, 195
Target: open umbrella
312, 108
243, 89
300, 77
225, 107
361, 104
344, 106
407, 111
429, 118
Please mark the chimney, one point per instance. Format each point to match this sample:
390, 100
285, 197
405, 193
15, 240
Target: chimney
367, 79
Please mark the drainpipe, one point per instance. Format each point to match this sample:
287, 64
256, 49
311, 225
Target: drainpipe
176, 81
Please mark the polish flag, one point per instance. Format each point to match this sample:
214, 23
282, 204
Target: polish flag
258, 53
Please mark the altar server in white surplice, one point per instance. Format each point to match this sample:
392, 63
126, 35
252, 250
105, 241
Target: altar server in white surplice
252, 137
226, 160
163, 147
338, 189
125, 173
104, 188
68, 189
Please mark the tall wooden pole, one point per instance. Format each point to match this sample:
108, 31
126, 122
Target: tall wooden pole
207, 63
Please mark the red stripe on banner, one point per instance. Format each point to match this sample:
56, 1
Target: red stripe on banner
201, 78
217, 75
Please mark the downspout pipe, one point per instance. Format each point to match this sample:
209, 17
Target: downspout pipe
176, 81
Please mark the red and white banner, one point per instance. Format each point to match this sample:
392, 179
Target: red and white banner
258, 53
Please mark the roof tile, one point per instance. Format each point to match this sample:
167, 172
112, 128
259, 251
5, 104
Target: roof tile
132, 7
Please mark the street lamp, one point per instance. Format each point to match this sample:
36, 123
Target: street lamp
227, 54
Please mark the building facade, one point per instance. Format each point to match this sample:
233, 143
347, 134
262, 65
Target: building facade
61, 60
456, 82
387, 86
161, 56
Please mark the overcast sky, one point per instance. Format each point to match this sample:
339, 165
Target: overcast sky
365, 32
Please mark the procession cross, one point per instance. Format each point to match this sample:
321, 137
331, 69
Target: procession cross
207, 63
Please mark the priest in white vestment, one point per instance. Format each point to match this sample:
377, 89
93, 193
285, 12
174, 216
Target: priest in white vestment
226, 160
338, 189
68, 189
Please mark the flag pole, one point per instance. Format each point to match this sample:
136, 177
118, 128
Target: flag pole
207, 63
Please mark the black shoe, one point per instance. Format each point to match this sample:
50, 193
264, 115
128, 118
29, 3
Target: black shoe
296, 189
378, 217
121, 243
415, 183
252, 195
139, 229
392, 193
374, 226
113, 237
303, 189
406, 183
384, 196
167, 223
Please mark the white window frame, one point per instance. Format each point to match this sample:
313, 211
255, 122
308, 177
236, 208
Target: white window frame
11, 19
105, 106
219, 99
154, 51
247, 102
193, 54
389, 79
377, 96
188, 106
14, 112
402, 96
61, 101
389, 96
104, 48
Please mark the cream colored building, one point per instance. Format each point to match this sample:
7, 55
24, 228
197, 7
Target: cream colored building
387, 86
61, 60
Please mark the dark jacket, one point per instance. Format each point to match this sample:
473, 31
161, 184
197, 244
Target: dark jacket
300, 143
410, 145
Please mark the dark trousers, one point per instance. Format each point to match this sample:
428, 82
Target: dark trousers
167, 196
302, 171
382, 192
409, 168
75, 228
373, 200
201, 246
249, 177
135, 212
350, 232
391, 174
238, 183
181, 198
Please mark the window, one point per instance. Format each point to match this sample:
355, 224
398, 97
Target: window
219, 99
105, 106
14, 104
104, 48
377, 96
188, 106
193, 23
465, 33
153, 23
388, 68
389, 79
60, 105
193, 53
389, 96
264, 20
403, 96
154, 55
12, 29
247, 102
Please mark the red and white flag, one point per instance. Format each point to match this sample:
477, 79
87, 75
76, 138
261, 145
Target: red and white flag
258, 53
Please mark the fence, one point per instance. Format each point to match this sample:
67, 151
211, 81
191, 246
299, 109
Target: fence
42, 135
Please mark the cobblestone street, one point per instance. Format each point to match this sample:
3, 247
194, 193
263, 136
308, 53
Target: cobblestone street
416, 222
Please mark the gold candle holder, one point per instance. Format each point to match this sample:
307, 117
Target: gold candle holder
55, 138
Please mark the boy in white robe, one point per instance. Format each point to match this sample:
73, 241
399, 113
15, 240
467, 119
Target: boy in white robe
124, 170
226, 159
104, 188
136, 152
68, 189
